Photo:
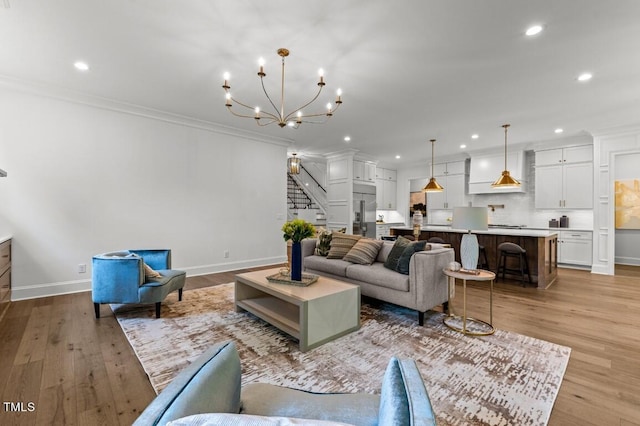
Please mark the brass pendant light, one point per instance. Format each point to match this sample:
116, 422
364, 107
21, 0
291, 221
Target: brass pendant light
293, 164
505, 180
433, 185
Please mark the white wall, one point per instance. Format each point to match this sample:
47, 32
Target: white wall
85, 180
627, 243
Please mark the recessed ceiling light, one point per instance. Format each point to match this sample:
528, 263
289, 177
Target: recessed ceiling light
463, 146
397, 157
585, 76
347, 138
475, 136
533, 30
81, 66
558, 130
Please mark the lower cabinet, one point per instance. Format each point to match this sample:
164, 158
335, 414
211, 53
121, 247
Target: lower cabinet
575, 248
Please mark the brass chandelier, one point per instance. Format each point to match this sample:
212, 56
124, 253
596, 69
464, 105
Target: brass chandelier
505, 180
293, 118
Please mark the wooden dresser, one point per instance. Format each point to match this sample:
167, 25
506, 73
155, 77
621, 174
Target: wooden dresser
5, 276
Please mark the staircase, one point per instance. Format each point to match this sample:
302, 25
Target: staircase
297, 198
306, 198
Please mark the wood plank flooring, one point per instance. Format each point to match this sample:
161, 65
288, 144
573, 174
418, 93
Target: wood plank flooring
60, 366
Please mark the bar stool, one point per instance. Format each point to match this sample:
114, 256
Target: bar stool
512, 250
436, 240
483, 261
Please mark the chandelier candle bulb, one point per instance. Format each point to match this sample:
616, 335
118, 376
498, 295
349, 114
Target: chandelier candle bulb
261, 63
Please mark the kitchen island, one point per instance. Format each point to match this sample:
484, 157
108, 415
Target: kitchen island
541, 247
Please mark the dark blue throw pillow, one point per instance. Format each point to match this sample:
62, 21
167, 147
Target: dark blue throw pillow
405, 257
395, 253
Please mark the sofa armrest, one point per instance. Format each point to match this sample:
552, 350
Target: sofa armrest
308, 246
210, 384
425, 274
404, 399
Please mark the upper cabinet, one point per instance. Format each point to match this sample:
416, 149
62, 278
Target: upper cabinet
364, 172
452, 178
485, 169
386, 189
564, 178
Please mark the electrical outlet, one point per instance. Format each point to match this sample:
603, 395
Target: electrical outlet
226, 254
82, 268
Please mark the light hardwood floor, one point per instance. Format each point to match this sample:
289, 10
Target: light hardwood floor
77, 370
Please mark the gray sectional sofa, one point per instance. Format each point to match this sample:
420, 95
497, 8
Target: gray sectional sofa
424, 287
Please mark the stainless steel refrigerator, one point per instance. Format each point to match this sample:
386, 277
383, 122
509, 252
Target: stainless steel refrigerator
364, 208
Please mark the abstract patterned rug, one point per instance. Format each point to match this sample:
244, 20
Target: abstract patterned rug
503, 379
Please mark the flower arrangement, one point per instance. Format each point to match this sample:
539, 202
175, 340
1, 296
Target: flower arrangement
297, 230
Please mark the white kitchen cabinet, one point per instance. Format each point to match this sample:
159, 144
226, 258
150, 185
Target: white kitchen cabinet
386, 189
452, 196
364, 172
452, 178
575, 248
568, 183
573, 154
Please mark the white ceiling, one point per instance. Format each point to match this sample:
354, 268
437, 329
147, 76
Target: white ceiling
410, 70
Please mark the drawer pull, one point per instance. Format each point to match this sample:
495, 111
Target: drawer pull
6, 255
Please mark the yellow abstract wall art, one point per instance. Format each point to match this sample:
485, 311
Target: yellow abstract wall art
627, 204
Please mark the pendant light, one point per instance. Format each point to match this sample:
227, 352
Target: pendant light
505, 180
293, 165
433, 185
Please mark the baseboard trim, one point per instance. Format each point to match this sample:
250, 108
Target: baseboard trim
69, 287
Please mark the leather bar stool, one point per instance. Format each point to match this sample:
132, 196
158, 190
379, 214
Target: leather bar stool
511, 250
483, 261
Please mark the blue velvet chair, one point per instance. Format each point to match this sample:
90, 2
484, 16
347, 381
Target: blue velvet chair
119, 277
209, 392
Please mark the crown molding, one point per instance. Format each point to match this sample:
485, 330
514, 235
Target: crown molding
76, 97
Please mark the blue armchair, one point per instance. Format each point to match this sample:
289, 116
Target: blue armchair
127, 277
209, 392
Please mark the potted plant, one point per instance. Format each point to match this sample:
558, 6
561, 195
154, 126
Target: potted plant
296, 231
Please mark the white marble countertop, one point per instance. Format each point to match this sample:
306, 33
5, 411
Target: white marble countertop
5, 238
525, 232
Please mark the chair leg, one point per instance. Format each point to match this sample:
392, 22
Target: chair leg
179, 295
157, 309
420, 318
96, 308
445, 307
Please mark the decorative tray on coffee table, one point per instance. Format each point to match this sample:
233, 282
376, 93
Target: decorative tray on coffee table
285, 278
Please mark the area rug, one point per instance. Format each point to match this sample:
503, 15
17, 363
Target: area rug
502, 379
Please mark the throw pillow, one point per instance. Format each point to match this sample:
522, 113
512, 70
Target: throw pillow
395, 253
405, 257
324, 243
150, 273
364, 252
341, 244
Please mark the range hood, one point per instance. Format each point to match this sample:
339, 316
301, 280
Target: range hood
485, 169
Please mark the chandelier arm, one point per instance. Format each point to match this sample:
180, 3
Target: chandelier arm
269, 98
239, 115
266, 113
305, 105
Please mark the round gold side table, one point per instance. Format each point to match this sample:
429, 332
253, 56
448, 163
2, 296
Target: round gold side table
449, 320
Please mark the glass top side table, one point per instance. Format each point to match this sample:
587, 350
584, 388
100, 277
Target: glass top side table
470, 326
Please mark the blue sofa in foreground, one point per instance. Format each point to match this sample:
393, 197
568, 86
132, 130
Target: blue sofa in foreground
134, 276
209, 392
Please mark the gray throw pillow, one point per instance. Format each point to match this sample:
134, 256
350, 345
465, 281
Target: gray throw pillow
395, 253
